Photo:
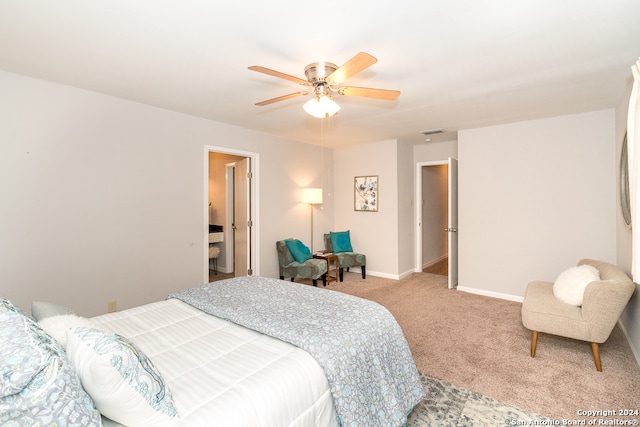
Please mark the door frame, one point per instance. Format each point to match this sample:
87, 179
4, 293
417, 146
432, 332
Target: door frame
418, 212
254, 161
229, 198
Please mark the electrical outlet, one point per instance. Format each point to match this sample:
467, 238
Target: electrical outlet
112, 306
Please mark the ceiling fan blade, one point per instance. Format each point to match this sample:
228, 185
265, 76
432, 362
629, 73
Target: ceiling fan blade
279, 74
281, 98
367, 92
352, 67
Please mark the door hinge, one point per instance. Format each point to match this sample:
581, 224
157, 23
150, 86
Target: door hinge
249, 175
250, 272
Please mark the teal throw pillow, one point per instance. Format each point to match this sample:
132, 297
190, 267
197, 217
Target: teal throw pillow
300, 252
341, 242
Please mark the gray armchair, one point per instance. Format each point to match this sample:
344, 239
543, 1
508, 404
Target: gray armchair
309, 269
602, 304
346, 259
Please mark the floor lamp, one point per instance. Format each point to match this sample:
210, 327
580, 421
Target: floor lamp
312, 196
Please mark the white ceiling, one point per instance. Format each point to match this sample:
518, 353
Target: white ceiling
459, 64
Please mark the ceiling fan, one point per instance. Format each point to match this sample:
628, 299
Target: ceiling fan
324, 78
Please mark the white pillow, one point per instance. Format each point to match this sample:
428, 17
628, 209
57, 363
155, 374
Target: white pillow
570, 285
42, 309
57, 326
124, 384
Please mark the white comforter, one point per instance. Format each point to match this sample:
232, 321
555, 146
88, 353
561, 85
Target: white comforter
359, 344
222, 374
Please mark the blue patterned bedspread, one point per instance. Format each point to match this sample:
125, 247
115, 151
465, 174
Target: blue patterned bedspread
365, 356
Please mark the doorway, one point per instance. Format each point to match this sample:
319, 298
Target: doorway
437, 218
231, 206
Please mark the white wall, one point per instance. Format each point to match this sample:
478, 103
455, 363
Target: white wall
373, 233
105, 199
534, 198
435, 151
406, 211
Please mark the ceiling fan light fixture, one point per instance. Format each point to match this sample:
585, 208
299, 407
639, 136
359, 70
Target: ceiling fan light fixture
321, 107
323, 77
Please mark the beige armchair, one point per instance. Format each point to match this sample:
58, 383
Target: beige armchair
603, 302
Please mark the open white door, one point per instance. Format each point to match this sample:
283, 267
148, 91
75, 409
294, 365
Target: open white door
242, 219
453, 222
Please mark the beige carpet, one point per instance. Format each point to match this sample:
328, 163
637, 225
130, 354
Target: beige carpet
479, 343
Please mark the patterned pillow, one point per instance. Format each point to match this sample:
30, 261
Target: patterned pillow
38, 385
124, 383
298, 249
341, 241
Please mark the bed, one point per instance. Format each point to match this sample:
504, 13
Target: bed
215, 354
253, 351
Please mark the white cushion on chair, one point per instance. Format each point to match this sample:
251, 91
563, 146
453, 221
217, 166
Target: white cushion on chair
570, 285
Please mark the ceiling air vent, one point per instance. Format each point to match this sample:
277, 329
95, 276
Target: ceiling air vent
428, 133
432, 132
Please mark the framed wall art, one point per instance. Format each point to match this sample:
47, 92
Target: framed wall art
365, 196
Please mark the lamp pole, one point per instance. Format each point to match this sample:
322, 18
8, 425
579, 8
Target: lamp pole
312, 196
311, 207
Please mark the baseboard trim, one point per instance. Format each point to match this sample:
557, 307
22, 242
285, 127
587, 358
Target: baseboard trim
500, 295
356, 270
383, 275
406, 274
434, 261
390, 276
634, 351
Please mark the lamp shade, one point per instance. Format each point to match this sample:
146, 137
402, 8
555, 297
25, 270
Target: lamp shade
321, 107
312, 196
